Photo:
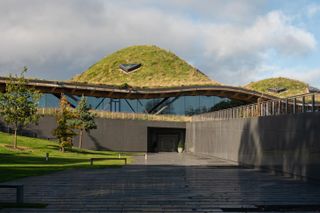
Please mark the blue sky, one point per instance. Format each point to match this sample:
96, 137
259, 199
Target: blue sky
234, 42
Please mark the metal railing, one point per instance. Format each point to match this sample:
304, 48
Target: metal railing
293, 105
124, 115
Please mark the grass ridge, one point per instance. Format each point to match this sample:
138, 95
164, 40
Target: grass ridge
160, 68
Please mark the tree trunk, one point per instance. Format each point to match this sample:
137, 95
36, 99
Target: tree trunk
80, 138
15, 138
62, 146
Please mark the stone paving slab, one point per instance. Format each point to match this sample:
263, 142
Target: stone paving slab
165, 182
181, 159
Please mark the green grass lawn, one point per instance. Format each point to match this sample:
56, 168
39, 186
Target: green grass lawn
29, 158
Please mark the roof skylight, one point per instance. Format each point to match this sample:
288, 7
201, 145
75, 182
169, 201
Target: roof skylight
129, 67
277, 89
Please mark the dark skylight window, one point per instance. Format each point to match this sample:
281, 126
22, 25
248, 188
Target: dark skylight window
129, 67
277, 89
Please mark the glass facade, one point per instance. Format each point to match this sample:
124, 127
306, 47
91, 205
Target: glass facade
183, 105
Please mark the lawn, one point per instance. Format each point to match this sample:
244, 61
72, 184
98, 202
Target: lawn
29, 158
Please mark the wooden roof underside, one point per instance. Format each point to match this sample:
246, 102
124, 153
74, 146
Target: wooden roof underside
72, 88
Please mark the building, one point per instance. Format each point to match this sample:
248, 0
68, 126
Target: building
139, 79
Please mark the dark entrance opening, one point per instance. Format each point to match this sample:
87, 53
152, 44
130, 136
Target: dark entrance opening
165, 139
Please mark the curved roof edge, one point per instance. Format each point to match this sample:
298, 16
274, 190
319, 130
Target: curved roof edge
57, 87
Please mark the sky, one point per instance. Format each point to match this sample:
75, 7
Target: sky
232, 41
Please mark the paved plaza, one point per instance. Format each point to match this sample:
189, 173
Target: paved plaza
166, 182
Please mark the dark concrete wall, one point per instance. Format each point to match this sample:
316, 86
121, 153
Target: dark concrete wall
112, 134
287, 144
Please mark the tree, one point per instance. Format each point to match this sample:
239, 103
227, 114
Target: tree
64, 130
18, 105
84, 119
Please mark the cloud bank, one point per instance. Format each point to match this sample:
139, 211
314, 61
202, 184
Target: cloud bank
229, 41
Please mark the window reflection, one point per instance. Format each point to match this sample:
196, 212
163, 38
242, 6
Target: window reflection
183, 105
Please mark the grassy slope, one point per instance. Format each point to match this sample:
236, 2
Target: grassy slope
294, 87
160, 68
31, 161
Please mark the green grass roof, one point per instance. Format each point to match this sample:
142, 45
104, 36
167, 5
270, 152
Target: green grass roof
293, 87
160, 68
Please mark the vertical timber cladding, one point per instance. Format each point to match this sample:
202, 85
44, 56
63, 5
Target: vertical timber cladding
287, 144
165, 139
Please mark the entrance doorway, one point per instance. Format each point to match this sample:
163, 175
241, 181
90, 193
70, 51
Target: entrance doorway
165, 139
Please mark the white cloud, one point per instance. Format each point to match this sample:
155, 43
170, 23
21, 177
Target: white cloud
311, 76
272, 31
313, 10
58, 39
239, 11
237, 53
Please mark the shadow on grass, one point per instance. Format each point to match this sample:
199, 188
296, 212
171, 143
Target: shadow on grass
13, 166
7, 174
78, 151
8, 159
23, 205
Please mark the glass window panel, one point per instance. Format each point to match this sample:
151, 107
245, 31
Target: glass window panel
192, 105
184, 105
177, 107
49, 101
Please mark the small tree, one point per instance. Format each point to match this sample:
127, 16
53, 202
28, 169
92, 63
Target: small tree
18, 105
84, 119
64, 130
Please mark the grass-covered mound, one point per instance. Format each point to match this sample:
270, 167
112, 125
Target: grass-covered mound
29, 158
160, 68
293, 87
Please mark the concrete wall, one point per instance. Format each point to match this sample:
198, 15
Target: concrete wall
287, 144
118, 135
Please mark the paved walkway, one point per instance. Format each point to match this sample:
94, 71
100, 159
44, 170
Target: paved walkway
167, 182
184, 159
